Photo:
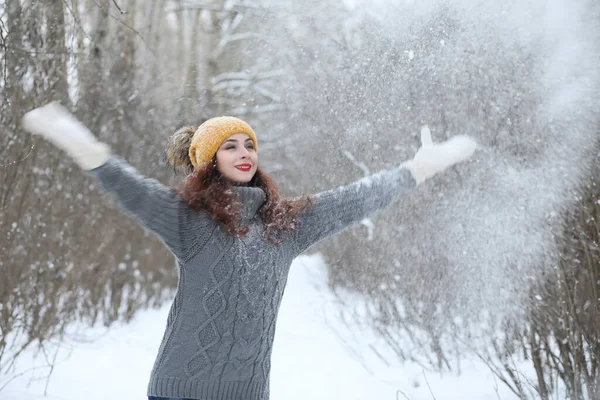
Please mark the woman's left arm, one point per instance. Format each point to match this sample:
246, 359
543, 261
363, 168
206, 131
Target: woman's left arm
334, 210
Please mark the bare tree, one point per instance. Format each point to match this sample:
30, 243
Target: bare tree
63, 254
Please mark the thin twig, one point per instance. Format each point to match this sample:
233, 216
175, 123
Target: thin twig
52, 364
134, 31
21, 160
119, 8
428, 386
398, 392
12, 378
218, 8
130, 27
496, 386
77, 20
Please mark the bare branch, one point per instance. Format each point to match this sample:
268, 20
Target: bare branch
217, 7
254, 76
119, 8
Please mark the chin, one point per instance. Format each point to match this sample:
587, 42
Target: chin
241, 180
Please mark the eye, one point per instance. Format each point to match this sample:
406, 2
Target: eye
229, 147
250, 146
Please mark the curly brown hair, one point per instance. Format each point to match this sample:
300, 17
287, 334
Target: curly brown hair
205, 189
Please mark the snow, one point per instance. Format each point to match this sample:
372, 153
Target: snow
314, 357
520, 77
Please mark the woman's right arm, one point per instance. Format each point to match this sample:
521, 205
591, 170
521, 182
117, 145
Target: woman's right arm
153, 205
156, 207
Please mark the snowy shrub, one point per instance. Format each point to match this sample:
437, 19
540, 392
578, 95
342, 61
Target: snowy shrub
560, 335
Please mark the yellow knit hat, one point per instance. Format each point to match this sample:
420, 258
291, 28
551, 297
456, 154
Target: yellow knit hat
212, 133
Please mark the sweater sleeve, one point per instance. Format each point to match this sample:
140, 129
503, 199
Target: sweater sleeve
154, 206
334, 210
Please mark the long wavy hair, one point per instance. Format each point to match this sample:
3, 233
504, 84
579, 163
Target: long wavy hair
205, 189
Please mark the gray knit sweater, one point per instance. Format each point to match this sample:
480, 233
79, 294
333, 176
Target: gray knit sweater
220, 329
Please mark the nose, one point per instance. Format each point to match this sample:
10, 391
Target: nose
245, 153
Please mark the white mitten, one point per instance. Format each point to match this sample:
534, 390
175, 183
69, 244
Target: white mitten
61, 128
434, 158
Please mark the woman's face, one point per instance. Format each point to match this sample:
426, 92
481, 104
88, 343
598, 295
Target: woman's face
237, 159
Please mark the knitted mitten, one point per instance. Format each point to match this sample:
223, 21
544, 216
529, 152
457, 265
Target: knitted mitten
61, 128
432, 158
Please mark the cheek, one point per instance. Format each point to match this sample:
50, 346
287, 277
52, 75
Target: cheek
222, 159
221, 162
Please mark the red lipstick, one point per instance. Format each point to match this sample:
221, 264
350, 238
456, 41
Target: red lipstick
244, 167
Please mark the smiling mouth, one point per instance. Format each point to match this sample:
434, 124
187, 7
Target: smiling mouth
244, 167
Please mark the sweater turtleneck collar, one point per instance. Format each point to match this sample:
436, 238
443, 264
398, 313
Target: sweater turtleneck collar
252, 198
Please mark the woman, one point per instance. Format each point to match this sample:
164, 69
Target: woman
234, 240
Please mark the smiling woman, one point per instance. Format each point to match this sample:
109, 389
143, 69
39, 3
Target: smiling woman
234, 239
221, 158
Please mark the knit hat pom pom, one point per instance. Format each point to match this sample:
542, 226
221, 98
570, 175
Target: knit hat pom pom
178, 148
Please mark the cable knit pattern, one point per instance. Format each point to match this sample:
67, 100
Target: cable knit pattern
219, 335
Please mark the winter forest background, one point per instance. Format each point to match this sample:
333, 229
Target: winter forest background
498, 258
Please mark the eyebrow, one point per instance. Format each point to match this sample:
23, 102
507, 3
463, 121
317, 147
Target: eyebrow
235, 141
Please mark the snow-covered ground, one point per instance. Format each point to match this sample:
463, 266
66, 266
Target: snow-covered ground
312, 359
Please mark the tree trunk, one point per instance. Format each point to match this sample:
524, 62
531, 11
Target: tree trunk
56, 66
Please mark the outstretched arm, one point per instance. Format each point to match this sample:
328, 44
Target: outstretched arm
153, 205
156, 207
337, 209
334, 210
